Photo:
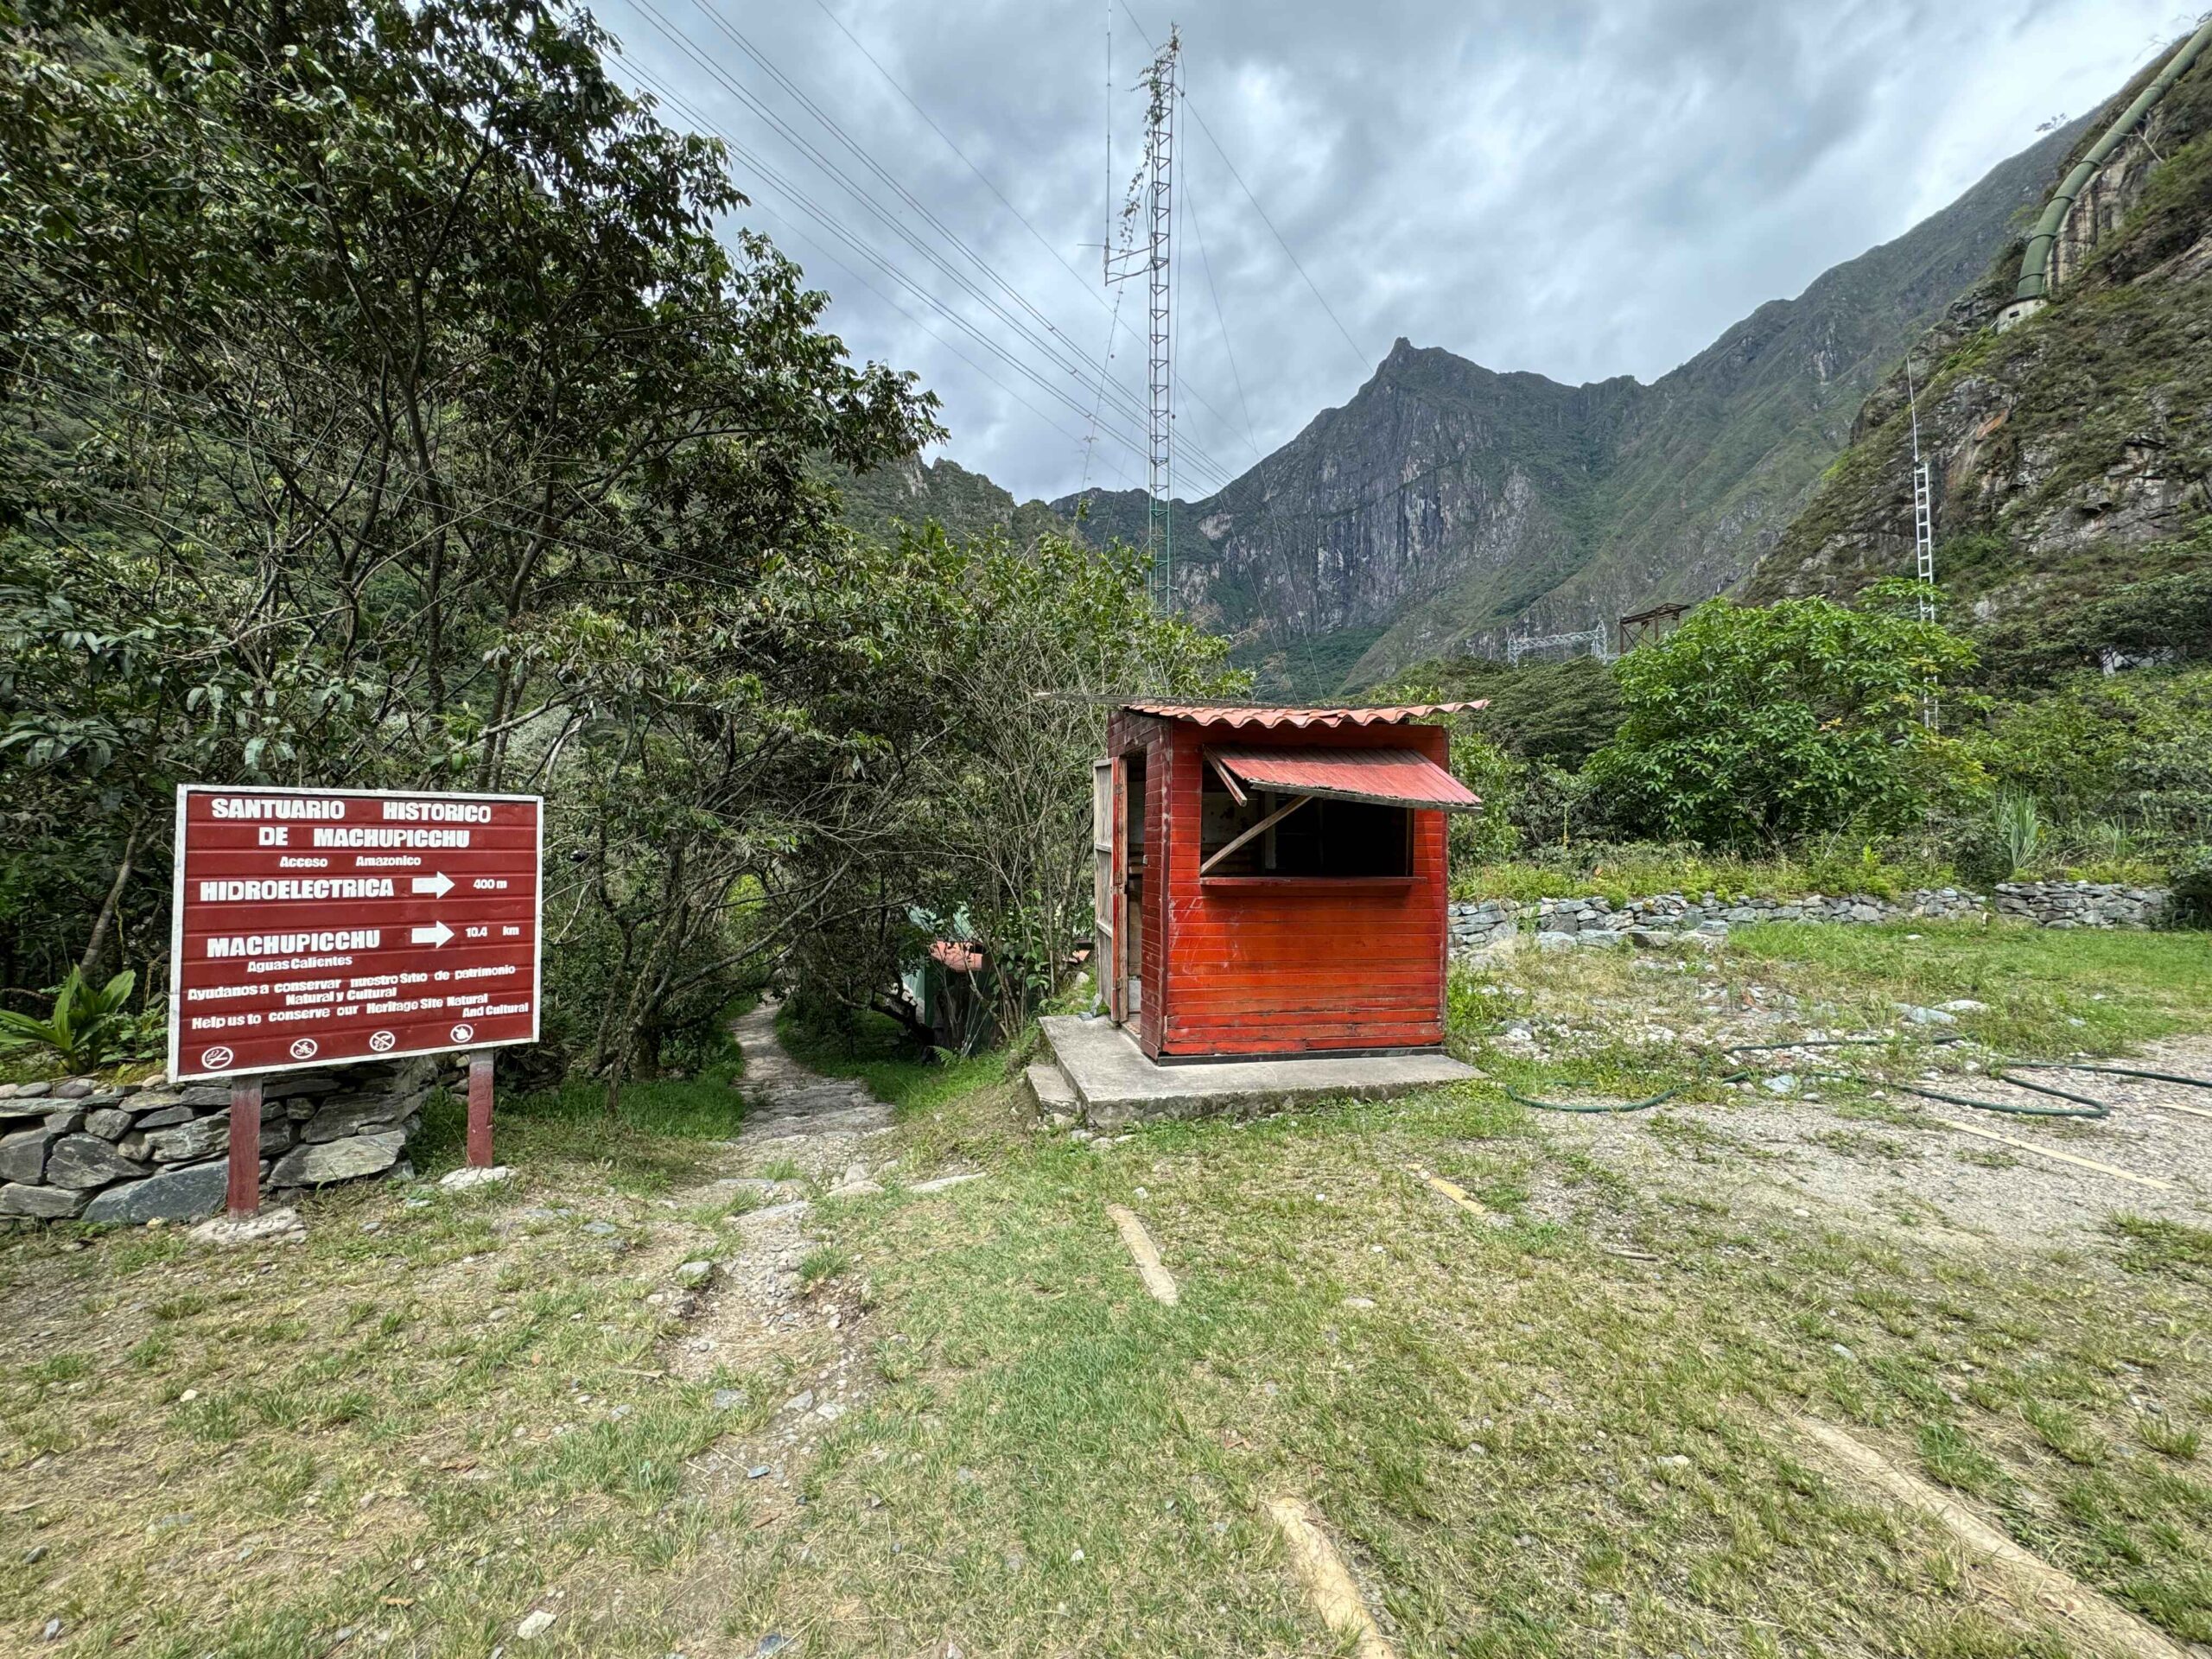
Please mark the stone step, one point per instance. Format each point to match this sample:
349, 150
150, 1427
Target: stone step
1052, 1092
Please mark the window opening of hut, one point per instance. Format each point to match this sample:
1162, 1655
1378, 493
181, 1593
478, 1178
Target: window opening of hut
1318, 838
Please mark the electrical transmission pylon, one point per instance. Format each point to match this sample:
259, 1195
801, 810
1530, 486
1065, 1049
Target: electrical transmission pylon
1924, 535
1150, 207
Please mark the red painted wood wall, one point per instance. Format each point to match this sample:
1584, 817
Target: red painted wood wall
1280, 965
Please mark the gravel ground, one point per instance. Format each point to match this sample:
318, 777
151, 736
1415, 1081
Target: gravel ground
1914, 1171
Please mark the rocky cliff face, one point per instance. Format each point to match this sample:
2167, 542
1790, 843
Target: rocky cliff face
2071, 452
1447, 506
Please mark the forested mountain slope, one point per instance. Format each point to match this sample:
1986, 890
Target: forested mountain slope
913, 491
2070, 452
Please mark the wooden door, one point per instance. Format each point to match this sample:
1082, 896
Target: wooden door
1106, 885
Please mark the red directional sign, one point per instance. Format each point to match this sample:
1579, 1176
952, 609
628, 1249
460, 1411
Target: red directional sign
314, 926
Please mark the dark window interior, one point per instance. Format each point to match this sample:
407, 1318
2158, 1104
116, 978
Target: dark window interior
1322, 838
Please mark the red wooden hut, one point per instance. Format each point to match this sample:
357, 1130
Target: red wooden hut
1271, 881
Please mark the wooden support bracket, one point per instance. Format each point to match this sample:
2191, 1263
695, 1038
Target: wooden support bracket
1260, 828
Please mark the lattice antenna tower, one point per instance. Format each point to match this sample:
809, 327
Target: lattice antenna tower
1147, 219
1924, 532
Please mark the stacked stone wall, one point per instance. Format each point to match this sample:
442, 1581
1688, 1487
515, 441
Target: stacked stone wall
87, 1149
1560, 923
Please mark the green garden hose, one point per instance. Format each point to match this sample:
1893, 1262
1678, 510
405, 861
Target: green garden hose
2080, 1106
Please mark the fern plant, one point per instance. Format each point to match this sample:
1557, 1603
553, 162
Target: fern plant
87, 1023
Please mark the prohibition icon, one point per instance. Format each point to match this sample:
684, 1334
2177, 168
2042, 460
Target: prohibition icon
462, 1033
303, 1049
382, 1041
216, 1058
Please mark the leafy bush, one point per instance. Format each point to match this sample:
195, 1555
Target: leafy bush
86, 1026
1750, 727
1495, 776
2192, 886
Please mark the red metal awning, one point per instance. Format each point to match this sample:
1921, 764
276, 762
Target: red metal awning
1270, 716
1385, 777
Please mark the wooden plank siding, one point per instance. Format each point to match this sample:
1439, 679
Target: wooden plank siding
1238, 968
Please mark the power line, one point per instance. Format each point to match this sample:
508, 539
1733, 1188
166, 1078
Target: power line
835, 227
1081, 282
1053, 350
1198, 231
669, 96
1365, 358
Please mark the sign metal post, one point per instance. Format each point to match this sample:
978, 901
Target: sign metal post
244, 1196
480, 1111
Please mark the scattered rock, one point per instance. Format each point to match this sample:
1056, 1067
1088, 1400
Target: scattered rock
535, 1626
270, 1227
470, 1175
693, 1276
1921, 1016
727, 1399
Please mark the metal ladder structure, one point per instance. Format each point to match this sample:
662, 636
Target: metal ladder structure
1924, 537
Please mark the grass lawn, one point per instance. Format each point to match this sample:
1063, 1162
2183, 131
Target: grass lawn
1560, 1426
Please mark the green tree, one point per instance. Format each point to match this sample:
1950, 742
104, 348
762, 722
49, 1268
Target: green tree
387, 404
1760, 726
1024, 651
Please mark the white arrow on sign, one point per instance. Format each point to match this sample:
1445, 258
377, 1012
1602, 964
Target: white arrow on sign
435, 934
437, 885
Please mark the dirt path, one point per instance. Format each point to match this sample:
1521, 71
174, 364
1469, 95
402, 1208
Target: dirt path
818, 1122
789, 1351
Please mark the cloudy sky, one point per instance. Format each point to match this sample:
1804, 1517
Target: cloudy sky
1580, 188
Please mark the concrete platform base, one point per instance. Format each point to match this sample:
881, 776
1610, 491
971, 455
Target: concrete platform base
1113, 1082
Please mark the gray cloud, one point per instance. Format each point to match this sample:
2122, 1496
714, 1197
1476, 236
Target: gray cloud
1576, 188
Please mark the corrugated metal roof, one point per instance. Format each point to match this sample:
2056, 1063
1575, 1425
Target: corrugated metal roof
1270, 715
1390, 777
